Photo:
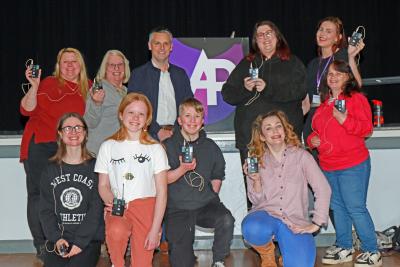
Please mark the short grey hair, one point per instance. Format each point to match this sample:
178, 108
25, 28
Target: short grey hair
160, 30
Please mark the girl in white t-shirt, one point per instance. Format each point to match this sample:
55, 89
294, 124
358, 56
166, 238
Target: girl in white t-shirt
132, 171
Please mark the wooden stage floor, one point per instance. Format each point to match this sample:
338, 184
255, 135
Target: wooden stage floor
238, 258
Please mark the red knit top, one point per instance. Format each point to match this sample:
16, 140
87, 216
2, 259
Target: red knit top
53, 100
342, 146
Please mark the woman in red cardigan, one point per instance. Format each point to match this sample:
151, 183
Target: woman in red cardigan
44, 103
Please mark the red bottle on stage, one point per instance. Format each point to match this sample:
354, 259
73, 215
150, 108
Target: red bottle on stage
378, 113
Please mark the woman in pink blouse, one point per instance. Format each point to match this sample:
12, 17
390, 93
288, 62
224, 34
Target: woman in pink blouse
279, 193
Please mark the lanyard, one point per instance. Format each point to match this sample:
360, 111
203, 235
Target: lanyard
319, 75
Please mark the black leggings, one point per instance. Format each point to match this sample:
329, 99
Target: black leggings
38, 156
87, 258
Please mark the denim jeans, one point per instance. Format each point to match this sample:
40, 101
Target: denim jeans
348, 202
297, 249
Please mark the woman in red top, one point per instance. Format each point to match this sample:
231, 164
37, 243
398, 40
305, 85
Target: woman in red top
45, 102
339, 133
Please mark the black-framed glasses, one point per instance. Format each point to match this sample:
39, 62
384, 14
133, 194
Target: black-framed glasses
70, 129
267, 34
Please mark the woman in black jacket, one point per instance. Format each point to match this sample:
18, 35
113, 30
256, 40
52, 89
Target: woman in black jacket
279, 85
268, 78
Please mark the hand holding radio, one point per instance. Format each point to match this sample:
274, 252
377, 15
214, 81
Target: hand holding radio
353, 51
356, 42
62, 247
32, 74
251, 84
250, 168
187, 166
97, 92
118, 207
339, 113
357, 36
73, 250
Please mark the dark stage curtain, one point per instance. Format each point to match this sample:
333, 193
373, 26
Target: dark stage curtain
39, 28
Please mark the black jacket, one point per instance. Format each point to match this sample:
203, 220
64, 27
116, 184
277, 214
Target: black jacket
285, 89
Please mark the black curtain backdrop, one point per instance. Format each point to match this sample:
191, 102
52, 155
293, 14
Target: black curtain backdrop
39, 29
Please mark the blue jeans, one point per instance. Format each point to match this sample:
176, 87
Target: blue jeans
348, 202
297, 249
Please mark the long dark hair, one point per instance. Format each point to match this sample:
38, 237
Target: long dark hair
62, 148
350, 86
282, 47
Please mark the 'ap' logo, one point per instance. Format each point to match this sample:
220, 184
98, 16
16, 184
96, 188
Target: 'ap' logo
208, 62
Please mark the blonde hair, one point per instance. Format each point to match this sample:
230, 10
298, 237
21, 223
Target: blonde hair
101, 74
62, 148
194, 103
257, 147
122, 133
83, 80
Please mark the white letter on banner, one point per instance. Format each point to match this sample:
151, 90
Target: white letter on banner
209, 68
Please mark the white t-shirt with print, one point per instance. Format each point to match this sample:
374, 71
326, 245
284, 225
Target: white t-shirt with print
131, 167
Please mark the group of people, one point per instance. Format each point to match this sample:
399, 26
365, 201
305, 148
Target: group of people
273, 105
91, 146
115, 163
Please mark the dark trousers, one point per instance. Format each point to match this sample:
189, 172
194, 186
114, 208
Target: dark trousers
87, 258
38, 156
180, 230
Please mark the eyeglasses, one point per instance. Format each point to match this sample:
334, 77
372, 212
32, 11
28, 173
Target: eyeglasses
336, 74
70, 129
113, 66
267, 34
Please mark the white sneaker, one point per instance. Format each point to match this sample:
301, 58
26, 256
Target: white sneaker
218, 264
367, 259
338, 255
331, 250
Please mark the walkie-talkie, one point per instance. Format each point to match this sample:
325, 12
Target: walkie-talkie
118, 207
357, 36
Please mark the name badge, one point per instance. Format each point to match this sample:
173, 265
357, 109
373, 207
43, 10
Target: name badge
316, 101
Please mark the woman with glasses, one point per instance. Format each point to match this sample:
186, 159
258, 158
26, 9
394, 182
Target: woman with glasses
104, 98
71, 210
44, 103
268, 78
340, 126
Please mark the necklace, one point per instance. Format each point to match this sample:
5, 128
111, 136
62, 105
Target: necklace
62, 92
73, 89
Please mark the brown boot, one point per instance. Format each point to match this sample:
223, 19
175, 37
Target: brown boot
164, 247
267, 254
